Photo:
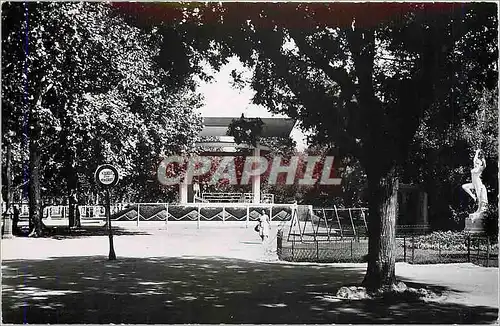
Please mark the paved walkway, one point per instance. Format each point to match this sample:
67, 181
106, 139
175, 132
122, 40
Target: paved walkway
216, 275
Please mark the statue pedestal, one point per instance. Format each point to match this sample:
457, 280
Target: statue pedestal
474, 223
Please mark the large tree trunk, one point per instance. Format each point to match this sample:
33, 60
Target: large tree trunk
72, 197
71, 212
10, 193
78, 222
36, 228
71, 209
383, 209
7, 228
73, 216
8, 177
71, 177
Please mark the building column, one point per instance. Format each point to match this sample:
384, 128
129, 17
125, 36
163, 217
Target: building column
256, 178
183, 191
424, 209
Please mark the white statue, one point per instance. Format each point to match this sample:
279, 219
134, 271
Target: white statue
480, 195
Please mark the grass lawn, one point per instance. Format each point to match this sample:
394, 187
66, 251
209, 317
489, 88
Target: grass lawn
216, 275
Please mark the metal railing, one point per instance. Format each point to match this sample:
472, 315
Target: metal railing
264, 198
86, 211
412, 249
223, 197
55, 212
197, 199
235, 197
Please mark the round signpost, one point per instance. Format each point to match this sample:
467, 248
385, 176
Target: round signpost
106, 176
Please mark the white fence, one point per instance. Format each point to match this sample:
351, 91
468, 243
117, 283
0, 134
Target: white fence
204, 212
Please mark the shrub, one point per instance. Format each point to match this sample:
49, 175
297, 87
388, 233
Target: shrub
491, 223
446, 240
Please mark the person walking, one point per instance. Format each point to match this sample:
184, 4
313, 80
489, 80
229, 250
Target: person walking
264, 231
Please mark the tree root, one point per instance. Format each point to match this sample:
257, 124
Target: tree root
398, 289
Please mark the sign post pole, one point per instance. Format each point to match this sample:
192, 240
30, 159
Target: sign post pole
112, 255
107, 176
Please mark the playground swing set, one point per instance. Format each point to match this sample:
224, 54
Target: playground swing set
327, 224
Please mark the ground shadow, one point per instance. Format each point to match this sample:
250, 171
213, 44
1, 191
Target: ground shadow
204, 290
63, 232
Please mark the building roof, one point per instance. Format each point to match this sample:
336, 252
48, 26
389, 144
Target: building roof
273, 127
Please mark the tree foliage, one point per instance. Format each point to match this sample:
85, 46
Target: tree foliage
246, 130
87, 86
362, 82
362, 77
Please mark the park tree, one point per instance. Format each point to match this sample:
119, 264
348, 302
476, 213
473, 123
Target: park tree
84, 89
441, 160
467, 119
360, 76
45, 76
365, 85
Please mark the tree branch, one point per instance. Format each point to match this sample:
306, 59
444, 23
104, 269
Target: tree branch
337, 75
307, 95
